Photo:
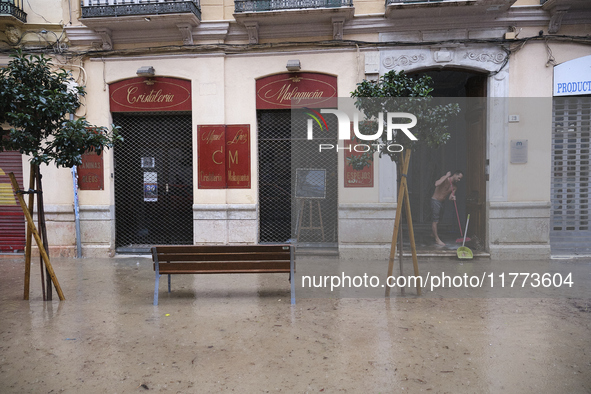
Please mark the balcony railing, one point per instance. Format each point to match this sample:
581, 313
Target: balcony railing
278, 5
13, 8
114, 8
388, 2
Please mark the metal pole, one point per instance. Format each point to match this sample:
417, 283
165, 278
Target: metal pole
77, 213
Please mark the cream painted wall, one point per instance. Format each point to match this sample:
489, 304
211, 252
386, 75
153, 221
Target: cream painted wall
43, 11
206, 74
531, 181
369, 7
530, 90
57, 183
241, 72
526, 2
530, 76
223, 92
212, 10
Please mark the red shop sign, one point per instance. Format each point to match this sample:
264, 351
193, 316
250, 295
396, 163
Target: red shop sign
280, 90
238, 156
150, 94
223, 156
91, 172
353, 177
211, 153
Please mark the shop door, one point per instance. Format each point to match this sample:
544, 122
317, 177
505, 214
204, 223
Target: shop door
12, 219
571, 134
153, 182
475, 175
283, 151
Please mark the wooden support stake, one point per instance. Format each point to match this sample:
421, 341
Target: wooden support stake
399, 203
411, 234
30, 222
400, 260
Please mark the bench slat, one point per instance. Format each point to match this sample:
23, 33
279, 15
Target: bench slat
223, 265
241, 256
232, 271
221, 248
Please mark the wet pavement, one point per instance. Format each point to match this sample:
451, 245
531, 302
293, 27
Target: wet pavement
223, 333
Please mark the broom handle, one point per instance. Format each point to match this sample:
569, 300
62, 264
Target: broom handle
458, 215
466, 233
456, 205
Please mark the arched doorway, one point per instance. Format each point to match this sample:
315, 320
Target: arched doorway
153, 167
465, 151
284, 151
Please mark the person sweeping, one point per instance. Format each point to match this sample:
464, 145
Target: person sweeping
445, 187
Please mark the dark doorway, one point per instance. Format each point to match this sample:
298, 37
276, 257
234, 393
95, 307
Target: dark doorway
465, 151
153, 182
283, 150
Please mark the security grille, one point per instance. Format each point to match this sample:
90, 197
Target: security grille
153, 182
283, 214
570, 231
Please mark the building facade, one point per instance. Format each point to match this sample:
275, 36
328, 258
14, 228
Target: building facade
203, 91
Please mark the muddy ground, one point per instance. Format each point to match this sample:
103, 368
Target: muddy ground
224, 333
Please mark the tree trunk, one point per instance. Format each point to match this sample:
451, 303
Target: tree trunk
43, 228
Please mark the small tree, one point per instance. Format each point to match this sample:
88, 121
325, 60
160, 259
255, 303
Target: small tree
38, 103
35, 102
401, 93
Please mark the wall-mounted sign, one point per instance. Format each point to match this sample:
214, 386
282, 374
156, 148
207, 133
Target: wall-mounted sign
91, 172
151, 186
238, 156
143, 94
281, 91
353, 177
211, 152
573, 78
518, 151
223, 156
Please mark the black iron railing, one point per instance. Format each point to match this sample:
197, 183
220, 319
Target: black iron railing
13, 8
111, 8
277, 5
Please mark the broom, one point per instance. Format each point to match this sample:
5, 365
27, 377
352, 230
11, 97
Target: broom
460, 226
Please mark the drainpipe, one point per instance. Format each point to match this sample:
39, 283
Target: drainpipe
76, 208
77, 213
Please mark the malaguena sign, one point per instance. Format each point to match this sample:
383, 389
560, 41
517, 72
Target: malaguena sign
286, 90
150, 94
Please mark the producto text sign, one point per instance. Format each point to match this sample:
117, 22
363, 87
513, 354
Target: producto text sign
143, 94
573, 78
287, 90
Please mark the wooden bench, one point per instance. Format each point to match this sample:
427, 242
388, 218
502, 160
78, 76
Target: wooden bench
223, 259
